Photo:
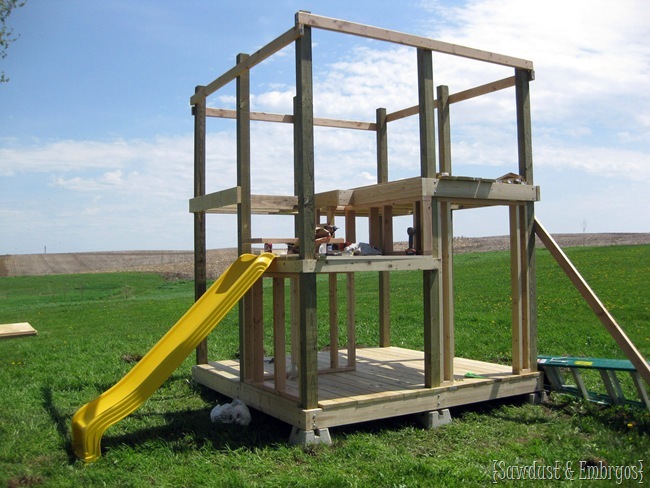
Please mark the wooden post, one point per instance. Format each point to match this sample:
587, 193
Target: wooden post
446, 237
351, 320
516, 284
304, 150
527, 224
524, 126
308, 367
200, 261
386, 239
304, 146
433, 359
444, 130
294, 290
428, 231
447, 284
529, 294
374, 227
427, 106
424, 231
297, 127
256, 362
334, 321
246, 305
244, 159
382, 146
350, 226
279, 336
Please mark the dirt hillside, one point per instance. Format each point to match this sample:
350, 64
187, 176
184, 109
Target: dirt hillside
180, 264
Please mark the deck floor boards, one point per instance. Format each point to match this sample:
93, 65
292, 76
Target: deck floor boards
379, 371
386, 382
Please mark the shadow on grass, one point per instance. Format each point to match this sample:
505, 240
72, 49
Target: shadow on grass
188, 430
516, 409
61, 422
182, 430
622, 419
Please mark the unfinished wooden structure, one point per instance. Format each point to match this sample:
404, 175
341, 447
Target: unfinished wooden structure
314, 390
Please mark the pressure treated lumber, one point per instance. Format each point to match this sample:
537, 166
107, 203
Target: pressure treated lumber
200, 250
246, 64
409, 40
456, 97
288, 119
19, 329
341, 386
387, 382
628, 348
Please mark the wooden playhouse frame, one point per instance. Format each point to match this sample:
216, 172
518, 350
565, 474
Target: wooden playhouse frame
349, 385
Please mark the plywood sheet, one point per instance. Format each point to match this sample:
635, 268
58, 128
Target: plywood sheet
16, 330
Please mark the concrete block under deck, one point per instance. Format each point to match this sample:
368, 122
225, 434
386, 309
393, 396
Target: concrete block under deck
386, 382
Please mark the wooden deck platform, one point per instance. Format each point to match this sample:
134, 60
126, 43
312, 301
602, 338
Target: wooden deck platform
387, 382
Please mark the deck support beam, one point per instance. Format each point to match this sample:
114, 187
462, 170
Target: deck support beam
446, 237
526, 225
304, 177
200, 252
247, 304
386, 238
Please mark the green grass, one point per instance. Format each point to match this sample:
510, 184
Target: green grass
90, 325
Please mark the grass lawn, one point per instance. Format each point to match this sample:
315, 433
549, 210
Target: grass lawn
92, 327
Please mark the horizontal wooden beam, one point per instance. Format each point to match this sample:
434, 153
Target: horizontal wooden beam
471, 189
406, 112
276, 203
350, 264
224, 198
287, 240
226, 113
407, 190
226, 201
456, 189
482, 90
396, 37
457, 97
332, 198
288, 119
344, 124
254, 59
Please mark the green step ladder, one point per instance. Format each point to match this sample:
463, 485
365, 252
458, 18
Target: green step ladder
555, 366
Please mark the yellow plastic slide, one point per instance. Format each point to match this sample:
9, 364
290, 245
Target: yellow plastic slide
91, 421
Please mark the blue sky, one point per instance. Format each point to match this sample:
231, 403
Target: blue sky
96, 131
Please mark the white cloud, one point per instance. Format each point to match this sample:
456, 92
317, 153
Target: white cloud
366, 80
585, 52
605, 162
65, 155
590, 108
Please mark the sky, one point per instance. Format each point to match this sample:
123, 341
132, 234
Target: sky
96, 131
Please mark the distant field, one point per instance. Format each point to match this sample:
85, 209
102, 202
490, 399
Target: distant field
180, 264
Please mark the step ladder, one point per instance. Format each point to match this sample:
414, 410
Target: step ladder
554, 368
